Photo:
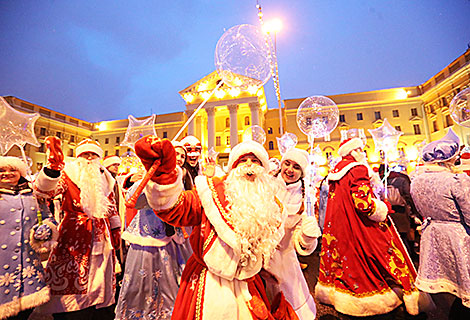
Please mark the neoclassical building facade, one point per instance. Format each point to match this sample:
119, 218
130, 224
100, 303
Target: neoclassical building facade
421, 112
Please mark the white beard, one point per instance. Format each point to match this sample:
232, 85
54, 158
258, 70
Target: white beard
92, 183
253, 212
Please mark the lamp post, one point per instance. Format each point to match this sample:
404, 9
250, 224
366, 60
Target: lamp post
272, 27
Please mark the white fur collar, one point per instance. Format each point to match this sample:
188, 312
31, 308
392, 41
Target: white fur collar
335, 176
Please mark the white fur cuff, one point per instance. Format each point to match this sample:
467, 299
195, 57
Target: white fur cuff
45, 183
381, 211
162, 197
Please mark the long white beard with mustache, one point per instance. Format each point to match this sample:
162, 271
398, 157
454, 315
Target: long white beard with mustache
253, 212
88, 177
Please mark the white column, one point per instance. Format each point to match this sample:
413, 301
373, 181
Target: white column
210, 127
191, 124
254, 108
233, 109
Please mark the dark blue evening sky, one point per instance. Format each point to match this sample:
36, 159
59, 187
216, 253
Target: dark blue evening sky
106, 59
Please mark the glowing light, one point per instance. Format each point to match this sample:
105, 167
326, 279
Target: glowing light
205, 95
102, 126
319, 159
402, 94
234, 92
252, 89
203, 86
189, 97
220, 93
373, 157
323, 171
412, 153
237, 81
272, 26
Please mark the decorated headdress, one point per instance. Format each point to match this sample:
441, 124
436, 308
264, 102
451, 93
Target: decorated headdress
299, 156
110, 160
89, 145
441, 150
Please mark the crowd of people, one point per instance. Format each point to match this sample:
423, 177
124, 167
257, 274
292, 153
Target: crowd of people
206, 243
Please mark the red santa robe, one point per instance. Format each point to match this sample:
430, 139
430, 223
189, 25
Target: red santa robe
80, 269
213, 284
364, 268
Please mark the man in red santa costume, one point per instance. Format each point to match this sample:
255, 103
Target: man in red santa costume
237, 225
80, 270
364, 268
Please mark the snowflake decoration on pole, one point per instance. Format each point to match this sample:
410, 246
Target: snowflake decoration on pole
138, 129
16, 128
385, 137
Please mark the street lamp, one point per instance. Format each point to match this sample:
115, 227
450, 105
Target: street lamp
272, 27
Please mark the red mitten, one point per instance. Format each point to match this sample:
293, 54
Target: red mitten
55, 160
150, 150
389, 206
116, 238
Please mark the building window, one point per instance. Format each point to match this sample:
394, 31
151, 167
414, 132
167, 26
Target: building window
341, 118
41, 148
417, 129
359, 116
328, 154
378, 116
247, 121
435, 127
42, 131
106, 140
271, 145
117, 152
165, 134
270, 130
414, 112
227, 122
58, 134
72, 138
448, 121
70, 153
227, 141
105, 153
396, 113
118, 139
398, 128
218, 141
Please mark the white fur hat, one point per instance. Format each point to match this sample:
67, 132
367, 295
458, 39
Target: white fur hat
247, 147
110, 160
14, 162
297, 155
349, 145
89, 145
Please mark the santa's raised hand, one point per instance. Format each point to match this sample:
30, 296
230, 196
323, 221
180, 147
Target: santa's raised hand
160, 152
55, 160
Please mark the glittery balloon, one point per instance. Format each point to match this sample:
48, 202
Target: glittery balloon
459, 108
385, 137
16, 128
255, 133
137, 129
317, 116
242, 57
287, 141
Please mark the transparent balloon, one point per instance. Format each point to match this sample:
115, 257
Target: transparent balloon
459, 108
137, 129
16, 128
287, 141
317, 116
255, 133
242, 57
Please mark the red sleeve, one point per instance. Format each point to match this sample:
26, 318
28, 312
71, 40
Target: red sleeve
187, 210
361, 191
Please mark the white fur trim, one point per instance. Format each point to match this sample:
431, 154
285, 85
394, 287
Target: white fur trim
45, 183
335, 176
12, 308
247, 147
14, 162
299, 156
381, 211
110, 160
89, 146
164, 196
349, 146
346, 303
191, 140
145, 241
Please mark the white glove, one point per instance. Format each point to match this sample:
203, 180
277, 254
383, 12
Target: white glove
310, 227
